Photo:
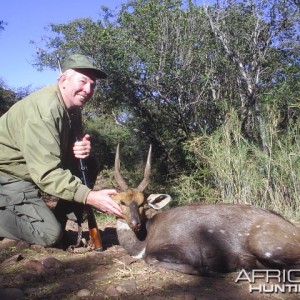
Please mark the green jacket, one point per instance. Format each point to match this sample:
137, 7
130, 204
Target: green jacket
34, 142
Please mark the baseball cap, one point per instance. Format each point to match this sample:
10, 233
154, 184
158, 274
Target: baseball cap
79, 61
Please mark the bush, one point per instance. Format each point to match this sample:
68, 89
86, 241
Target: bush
237, 171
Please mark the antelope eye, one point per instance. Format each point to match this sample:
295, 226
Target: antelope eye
122, 202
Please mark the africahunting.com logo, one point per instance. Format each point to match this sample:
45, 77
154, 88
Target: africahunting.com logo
271, 281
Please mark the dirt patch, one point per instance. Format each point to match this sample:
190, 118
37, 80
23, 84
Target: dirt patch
50, 273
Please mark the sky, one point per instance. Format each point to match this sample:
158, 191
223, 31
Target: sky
26, 20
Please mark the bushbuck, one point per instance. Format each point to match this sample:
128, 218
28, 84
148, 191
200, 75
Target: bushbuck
200, 239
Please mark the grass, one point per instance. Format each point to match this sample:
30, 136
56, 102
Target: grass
231, 169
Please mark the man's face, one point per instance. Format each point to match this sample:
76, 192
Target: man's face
77, 88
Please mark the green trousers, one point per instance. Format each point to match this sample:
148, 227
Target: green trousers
24, 214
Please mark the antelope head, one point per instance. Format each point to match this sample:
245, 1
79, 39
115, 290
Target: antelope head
133, 201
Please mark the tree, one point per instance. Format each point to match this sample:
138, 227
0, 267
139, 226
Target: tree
155, 72
7, 97
182, 71
2, 25
267, 30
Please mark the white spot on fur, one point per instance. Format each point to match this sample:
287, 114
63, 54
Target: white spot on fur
247, 233
210, 231
268, 254
222, 231
258, 226
140, 255
279, 248
122, 225
240, 234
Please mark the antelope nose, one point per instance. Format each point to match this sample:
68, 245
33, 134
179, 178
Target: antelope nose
135, 217
135, 222
136, 225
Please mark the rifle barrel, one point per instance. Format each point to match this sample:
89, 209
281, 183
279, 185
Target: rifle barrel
92, 224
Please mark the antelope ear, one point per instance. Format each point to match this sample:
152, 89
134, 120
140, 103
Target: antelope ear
158, 201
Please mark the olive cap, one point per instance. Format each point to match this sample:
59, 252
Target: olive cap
79, 61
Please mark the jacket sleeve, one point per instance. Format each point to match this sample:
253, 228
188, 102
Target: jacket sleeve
40, 144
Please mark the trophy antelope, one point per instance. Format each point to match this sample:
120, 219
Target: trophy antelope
198, 239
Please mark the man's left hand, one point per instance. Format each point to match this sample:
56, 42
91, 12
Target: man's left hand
82, 149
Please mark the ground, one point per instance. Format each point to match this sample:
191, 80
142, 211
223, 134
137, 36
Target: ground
34, 272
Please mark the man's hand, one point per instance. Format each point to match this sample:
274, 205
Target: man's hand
101, 200
82, 149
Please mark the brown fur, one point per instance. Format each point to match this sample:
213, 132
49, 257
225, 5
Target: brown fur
198, 239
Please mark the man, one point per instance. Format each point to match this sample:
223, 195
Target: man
35, 142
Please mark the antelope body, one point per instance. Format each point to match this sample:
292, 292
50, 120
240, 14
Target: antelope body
198, 238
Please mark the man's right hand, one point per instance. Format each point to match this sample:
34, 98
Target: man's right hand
102, 201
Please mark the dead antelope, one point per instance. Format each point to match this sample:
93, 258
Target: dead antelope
198, 238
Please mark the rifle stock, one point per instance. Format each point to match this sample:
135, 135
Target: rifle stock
92, 224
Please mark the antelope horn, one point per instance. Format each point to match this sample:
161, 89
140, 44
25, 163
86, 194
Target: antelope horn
147, 172
118, 177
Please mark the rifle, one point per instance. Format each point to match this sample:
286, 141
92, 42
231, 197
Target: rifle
92, 224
